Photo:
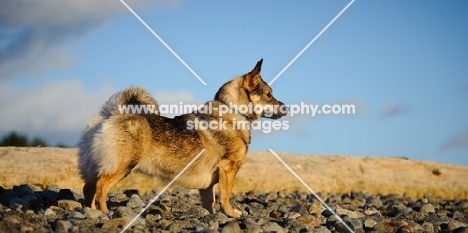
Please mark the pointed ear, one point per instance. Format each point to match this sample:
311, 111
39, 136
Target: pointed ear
256, 70
252, 79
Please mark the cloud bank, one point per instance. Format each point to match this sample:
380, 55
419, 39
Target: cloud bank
32, 31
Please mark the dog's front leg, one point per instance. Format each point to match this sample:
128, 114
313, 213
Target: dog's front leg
227, 172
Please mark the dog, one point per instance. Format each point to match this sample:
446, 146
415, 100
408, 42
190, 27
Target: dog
114, 144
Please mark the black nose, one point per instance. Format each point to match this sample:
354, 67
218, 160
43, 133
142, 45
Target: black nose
284, 109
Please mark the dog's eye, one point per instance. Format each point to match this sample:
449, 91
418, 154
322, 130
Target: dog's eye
268, 94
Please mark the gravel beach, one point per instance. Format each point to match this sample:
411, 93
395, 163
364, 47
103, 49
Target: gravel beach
29, 208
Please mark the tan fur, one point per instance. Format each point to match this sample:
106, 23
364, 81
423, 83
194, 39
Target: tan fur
114, 144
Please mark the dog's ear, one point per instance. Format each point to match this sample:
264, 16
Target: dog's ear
252, 79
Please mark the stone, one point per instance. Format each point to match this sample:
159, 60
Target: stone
389, 225
221, 218
76, 215
231, 227
49, 213
66, 194
427, 209
403, 212
69, 205
119, 197
310, 221
271, 196
251, 226
275, 214
351, 214
123, 211
62, 226
404, 229
299, 208
92, 213
115, 223
293, 215
369, 223
135, 201
22, 190
316, 208
273, 227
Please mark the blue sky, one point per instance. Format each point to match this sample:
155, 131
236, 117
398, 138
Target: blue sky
404, 64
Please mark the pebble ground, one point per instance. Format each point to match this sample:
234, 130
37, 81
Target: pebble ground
28, 208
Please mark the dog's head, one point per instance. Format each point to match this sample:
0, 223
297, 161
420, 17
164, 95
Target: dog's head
261, 95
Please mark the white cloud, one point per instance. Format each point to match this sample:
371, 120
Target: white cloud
392, 109
59, 13
60, 107
32, 30
457, 140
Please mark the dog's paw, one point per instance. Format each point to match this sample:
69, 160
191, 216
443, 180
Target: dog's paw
235, 213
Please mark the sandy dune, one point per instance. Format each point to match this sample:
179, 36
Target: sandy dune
262, 171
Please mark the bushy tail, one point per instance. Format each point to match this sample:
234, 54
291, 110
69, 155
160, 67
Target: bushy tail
130, 100
94, 144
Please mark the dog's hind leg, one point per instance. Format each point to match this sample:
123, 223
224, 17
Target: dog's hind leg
89, 192
227, 172
207, 198
104, 183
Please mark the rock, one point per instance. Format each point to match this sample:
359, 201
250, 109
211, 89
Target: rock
116, 222
298, 226
62, 226
461, 230
92, 213
221, 218
310, 221
119, 197
283, 208
26, 229
53, 188
273, 227
320, 229
427, 209
342, 226
404, 229
275, 214
316, 208
174, 227
389, 225
403, 212
271, 196
22, 190
135, 201
232, 227
49, 213
358, 195
66, 194
76, 215
69, 205
371, 211
299, 208
369, 223
122, 212
251, 226
293, 215
48, 197
374, 201
351, 214
12, 219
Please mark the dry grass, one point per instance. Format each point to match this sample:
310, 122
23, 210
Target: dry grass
261, 171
